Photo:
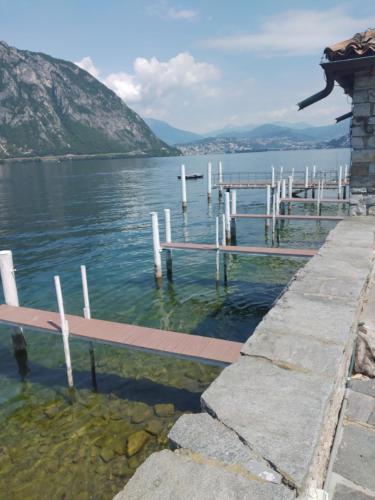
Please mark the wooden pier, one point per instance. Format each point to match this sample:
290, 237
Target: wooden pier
180, 345
279, 252
313, 200
336, 218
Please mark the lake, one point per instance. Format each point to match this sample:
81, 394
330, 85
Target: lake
57, 216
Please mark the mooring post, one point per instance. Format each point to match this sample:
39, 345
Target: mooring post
281, 172
217, 250
65, 332
8, 280
290, 186
227, 216
233, 216
220, 179
168, 239
339, 183
223, 238
274, 201
306, 180
156, 246
209, 181
318, 197
272, 177
87, 315
268, 204
278, 189
314, 172
346, 173
183, 187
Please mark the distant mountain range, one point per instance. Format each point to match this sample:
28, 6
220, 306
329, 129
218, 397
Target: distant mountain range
52, 107
269, 136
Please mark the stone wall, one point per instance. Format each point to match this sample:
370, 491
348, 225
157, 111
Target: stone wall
269, 419
362, 179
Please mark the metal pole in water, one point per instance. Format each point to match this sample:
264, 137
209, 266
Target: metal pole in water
220, 179
156, 245
65, 332
318, 197
273, 215
278, 197
227, 216
183, 187
268, 203
233, 219
223, 242
306, 180
217, 250
281, 172
209, 181
290, 186
339, 182
272, 176
314, 172
168, 239
87, 315
283, 189
8, 280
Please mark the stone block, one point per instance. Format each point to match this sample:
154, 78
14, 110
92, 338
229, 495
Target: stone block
362, 156
360, 407
343, 492
356, 456
364, 82
359, 142
176, 476
361, 96
207, 436
363, 386
362, 109
278, 412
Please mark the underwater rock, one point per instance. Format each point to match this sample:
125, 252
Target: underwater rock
154, 426
140, 413
136, 442
107, 454
164, 410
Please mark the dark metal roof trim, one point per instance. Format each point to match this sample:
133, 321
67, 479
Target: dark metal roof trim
344, 117
320, 95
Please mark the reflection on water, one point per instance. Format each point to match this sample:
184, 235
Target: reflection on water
55, 217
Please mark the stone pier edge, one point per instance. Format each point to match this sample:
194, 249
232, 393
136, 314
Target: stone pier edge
334, 282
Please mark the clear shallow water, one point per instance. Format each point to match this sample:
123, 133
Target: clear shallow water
56, 216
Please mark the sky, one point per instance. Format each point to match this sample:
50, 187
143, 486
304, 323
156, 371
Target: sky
199, 65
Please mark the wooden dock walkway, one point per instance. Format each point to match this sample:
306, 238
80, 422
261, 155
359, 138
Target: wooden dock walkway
289, 217
181, 345
313, 200
287, 252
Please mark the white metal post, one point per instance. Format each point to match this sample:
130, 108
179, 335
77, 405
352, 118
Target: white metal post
223, 242
65, 332
156, 245
346, 173
290, 186
306, 177
87, 315
217, 250
234, 202
293, 174
8, 280
227, 216
314, 172
278, 197
183, 187
168, 239
281, 172
283, 189
339, 182
274, 202
272, 176
209, 180
220, 179
318, 197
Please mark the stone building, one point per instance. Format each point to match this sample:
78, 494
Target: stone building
351, 63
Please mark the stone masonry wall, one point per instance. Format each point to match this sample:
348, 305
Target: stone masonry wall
362, 179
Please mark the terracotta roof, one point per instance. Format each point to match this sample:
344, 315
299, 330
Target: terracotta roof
361, 45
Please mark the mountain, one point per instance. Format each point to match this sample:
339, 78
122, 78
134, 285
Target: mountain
170, 135
51, 107
270, 137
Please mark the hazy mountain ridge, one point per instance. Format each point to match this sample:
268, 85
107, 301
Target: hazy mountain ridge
50, 106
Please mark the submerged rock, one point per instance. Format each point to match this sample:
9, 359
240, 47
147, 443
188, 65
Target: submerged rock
154, 426
140, 413
164, 410
107, 454
136, 442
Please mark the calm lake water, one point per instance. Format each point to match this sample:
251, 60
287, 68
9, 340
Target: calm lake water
57, 216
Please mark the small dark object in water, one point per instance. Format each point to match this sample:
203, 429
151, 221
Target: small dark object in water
192, 176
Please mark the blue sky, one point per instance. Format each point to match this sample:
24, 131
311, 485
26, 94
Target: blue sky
198, 65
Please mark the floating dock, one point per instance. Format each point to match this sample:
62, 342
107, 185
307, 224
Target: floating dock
180, 345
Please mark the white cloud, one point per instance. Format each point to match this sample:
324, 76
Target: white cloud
153, 80
87, 64
295, 32
165, 11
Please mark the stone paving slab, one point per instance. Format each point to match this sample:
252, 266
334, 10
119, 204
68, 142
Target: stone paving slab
207, 436
356, 455
279, 413
343, 492
174, 476
360, 407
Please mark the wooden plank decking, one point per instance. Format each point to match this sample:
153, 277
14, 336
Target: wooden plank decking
181, 345
289, 217
287, 252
